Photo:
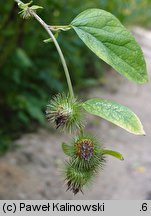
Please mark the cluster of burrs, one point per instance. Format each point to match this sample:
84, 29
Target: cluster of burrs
85, 153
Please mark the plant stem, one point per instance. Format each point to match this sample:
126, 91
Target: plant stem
47, 28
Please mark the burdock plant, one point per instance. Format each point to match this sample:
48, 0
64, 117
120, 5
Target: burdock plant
112, 42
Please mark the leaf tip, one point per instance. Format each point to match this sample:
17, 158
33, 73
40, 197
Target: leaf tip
142, 132
145, 80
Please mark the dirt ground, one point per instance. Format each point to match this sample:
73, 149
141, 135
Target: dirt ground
34, 171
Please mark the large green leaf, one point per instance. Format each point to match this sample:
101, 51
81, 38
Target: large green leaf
109, 39
115, 113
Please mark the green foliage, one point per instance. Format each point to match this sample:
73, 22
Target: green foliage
5, 144
115, 113
28, 67
129, 11
109, 39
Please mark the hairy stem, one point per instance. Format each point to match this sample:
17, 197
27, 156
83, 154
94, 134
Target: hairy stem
47, 28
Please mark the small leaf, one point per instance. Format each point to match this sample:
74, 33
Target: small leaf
67, 149
35, 7
50, 39
29, 3
113, 153
109, 40
115, 113
24, 6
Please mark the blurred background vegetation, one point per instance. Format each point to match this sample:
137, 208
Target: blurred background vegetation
30, 71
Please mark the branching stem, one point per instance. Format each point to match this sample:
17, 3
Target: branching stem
47, 28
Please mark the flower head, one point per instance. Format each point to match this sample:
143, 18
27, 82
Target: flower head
65, 112
76, 179
87, 152
84, 149
86, 157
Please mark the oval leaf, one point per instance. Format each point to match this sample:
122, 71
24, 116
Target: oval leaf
109, 40
115, 113
113, 153
67, 149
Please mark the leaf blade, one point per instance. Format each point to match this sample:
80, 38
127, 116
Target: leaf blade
116, 113
114, 154
109, 40
67, 149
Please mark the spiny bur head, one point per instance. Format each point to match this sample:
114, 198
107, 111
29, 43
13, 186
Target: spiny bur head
76, 179
86, 157
65, 112
88, 153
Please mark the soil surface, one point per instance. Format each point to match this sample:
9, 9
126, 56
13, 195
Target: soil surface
34, 170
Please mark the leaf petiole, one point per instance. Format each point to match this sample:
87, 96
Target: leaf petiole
62, 28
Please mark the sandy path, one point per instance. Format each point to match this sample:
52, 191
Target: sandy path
33, 171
